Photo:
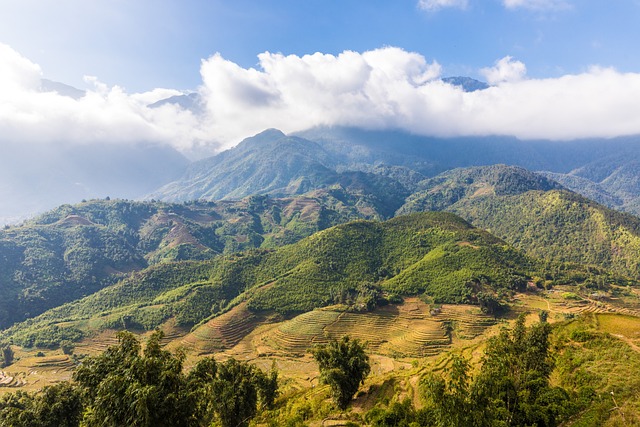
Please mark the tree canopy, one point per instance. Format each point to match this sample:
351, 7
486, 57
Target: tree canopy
343, 366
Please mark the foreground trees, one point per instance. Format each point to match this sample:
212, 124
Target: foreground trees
343, 366
59, 405
511, 389
125, 386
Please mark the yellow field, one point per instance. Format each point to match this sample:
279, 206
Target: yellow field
402, 339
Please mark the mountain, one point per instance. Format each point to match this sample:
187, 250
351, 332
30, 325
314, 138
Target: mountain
73, 247
442, 191
191, 101
434, 253
586, 187
466, 83
73, 251
61, 89
535, 215
612, 180
269, 162
279, 165
274, 163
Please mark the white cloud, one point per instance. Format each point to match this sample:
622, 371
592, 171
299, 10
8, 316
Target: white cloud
504, 70
379, 89
105, 115
392, 88
537, 4
433, 5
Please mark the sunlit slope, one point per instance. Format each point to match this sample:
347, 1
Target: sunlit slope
434, 253
535, 215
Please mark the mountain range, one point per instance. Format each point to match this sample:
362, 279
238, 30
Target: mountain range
418, 245
278, 164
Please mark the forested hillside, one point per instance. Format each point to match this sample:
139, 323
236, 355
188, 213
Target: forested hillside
363, 262
535, 215
73, 251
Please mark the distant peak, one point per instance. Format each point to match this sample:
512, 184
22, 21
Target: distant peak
61, 89
466, 83
271, 133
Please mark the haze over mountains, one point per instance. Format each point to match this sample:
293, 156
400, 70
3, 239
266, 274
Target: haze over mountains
40, 177
277, 164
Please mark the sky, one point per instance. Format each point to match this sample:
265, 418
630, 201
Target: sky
558, 69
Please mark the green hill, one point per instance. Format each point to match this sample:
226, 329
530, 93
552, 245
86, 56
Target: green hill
534, 215
73, 251
437, 254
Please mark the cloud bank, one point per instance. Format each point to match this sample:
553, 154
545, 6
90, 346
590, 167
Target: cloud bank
379, 89
505, 70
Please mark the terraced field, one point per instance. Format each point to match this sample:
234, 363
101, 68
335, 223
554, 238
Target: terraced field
407, 330
220, 333
397, 336
31, 372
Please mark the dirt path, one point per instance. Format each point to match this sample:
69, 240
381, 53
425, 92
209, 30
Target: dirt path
627, 341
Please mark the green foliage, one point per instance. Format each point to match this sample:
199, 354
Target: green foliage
127, 387
59, 405
444, 190
74, 251
343, 365
47, 336
535, 215
602, 369
560, 226
398, 414
238, 389
511, 389
355, 264
7, 355
433, 252
450, 399
67, 347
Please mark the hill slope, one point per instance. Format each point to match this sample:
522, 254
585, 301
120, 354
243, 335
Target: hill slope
435, 253
73, 251
536, 217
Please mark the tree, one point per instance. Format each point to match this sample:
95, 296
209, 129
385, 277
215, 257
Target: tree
450, 397
126, 387
238, 389
514, 379
343, 366
67, 347
512, 388
7, 355
59, 405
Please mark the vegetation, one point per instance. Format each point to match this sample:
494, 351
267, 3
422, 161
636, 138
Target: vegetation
7, 355
512, 388
363, 264
535, 215
127, 386
343, 366
74, 251
59, 405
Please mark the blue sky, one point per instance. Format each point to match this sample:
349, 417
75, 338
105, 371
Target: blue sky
144, 44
